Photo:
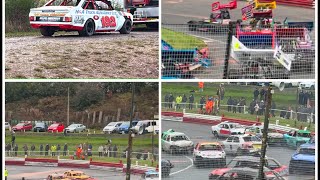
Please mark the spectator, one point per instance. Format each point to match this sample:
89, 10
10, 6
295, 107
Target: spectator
65, 132
255, 94
306, 98
25, 148
53, 150
178, 101
33, 148
166, 100
110, 151
171, 98
41, 149
273, 107
13, 138
65, 149
301, 96
58, 149
229, 103
201, 86
241, 105
202, 103
100, 150
262, 106
288, 115
251, 106
115, 149
79, 152
6, 149
257, 108
262, 92
283, 113
9, 149
222, 91
234, 108
184, 101
90, 150
105, 150
191, 101
16, 148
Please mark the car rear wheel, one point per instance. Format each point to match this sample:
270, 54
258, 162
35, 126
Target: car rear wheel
47, 31
88, 29
126, 28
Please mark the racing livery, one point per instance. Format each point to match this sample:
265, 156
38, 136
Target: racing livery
242, 144
274, 138
303, 160
250, 162
176, 142
209, 153
84, 16
296, 138
225, 129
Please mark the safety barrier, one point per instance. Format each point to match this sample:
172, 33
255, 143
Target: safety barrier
73, 163
15, 161
201, 119
298, 3
41, 162
174, 114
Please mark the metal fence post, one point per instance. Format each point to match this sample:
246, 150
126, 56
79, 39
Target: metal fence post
228, 49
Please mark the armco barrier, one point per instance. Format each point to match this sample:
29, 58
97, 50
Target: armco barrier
173, 114
106, 166
136, 169
201, 119
240, 121
73, 163
15, 161
41, 162
298, 3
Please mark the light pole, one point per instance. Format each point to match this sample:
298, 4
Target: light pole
68, 109
130, 136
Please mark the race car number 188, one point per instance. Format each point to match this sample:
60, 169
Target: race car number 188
108, 21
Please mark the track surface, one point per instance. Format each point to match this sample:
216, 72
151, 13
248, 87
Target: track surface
40, 173
183, 163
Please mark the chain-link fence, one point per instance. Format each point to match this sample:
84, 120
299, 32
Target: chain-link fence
238, 51
210, 157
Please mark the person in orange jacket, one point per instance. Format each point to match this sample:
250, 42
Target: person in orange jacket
209, 106
201, 86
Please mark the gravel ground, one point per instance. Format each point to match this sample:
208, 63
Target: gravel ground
108, 55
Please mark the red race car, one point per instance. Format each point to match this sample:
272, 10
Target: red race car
56, 127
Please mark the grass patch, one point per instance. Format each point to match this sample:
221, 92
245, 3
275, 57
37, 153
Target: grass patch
21, 34
180, 40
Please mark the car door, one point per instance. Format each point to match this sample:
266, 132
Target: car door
228, 144
106, 19
225, 130
235, 144
167, 141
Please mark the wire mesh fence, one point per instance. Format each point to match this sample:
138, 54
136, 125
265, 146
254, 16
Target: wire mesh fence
238, 51
214, 157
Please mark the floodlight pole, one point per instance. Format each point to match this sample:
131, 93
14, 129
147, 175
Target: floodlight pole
68, 109
265, 132
130, 135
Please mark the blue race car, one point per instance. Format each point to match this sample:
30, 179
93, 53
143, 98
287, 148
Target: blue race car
150, 174
303, 160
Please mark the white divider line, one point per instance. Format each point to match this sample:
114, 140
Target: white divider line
183, 168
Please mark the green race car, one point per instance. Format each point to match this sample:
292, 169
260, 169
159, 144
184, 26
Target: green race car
296, 138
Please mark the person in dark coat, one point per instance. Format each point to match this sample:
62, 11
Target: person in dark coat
273, 107
110, 151
229, 103
202, 103
301, 96
25, 148
46, 153
306, 98
65, 149
58, 149
262, 106
235, 104
33, 148
115, 149
283, 112
16, 148
13, 138
184, 101
262, 92
41, 149
255, 94
171, 98
288, 115
251, 107
90, 150
191, 101
166, 100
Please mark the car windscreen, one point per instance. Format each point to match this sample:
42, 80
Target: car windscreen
210, 147
234, 126
251, 138
308, 151
54, 125
73, 125
125, 124
304, 135
179, 138
39, 124
112, 124
20, 124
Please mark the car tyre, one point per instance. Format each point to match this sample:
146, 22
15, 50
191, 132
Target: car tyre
88, 28
215, 134
126, 28
46, 31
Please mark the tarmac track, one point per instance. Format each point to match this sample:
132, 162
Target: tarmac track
184, 168
40, 173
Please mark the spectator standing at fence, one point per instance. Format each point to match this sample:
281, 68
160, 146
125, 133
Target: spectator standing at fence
41, 149
16, 148
58, 149
53, 150
283, 113
9, 149
115, 149
209, 105
166, 100
229, 103
251, 106
78, 152
288, 113
109, 150
178, 101
13, 138
240, 105
201, 86
6, 149
262, 92
171, 98
33, 148
273, 107
301, 96
202, 103
100, 150
191, 101
184, 101
25, 148
262, 107
221, 91
90, 150
235, 103
257, 108
255, 94
65, 149
306, 98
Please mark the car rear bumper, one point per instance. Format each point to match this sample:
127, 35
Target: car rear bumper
57, 26
302, 166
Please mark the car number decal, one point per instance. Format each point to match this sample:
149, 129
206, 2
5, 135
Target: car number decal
108, 21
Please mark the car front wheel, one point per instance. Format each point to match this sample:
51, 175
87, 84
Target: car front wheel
126, 28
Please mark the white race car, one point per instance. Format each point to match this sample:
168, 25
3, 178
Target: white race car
209, 153
84, 16
176, 142
226, 129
